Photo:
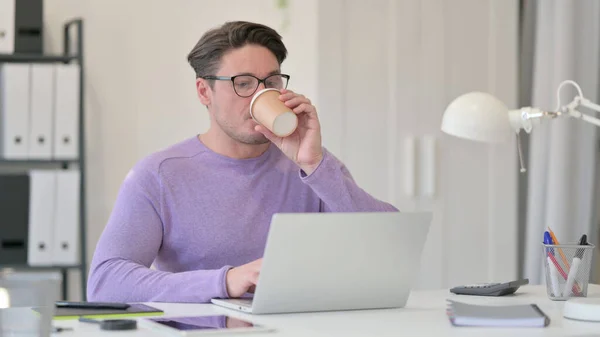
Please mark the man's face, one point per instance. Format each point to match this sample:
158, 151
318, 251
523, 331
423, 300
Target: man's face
229, 111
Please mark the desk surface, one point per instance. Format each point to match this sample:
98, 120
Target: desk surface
424, 315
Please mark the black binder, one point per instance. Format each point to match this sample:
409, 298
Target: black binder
14, 218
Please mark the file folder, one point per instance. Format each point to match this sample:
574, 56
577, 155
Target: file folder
66, 118
7, 26
14, 197
42, 106
14, 110
66, 218
29, 26
42, 196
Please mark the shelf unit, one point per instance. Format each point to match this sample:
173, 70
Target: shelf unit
69, 55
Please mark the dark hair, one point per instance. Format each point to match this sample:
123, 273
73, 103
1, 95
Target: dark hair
208, 52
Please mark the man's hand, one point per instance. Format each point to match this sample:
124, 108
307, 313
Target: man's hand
243, 279
304, 145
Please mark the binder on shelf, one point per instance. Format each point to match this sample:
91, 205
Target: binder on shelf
66, 116
21, 26
42, 106
42, 196
7, 26
14, 110
14, 197
66, 218
29, 26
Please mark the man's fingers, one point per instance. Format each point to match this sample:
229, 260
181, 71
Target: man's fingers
252, 274
304, 107
294, 102
287, 95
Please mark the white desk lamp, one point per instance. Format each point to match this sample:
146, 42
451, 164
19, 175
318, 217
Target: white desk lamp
482, 117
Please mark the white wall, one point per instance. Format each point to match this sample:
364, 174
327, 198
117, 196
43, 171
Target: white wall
140, 91
388, 69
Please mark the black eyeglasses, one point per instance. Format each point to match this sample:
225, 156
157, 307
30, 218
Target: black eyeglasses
246, 85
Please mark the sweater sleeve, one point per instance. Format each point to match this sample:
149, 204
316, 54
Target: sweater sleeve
120, 269
334, 185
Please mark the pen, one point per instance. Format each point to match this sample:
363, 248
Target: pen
563, 257
553, 271
559, 269
553, 277
575, 266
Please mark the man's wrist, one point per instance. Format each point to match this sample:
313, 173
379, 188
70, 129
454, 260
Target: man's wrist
227, 282
309, 169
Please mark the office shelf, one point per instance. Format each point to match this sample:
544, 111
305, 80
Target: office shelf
39, 161
72, 53
28, 267
37, 58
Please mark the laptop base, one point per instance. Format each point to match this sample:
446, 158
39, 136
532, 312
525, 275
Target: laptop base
243, 305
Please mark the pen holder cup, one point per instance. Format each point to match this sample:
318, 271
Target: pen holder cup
567, 270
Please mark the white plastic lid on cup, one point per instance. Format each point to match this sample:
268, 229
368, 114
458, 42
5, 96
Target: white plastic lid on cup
284, 124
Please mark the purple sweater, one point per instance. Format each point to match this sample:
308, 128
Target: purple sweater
193, 214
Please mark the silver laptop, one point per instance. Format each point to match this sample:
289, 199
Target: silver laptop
337, 261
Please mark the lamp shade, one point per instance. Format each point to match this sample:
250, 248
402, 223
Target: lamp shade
477, 116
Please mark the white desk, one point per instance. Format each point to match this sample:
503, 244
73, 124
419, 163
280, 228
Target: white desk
424, 315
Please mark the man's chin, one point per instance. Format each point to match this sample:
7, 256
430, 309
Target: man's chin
247, 135
256, 138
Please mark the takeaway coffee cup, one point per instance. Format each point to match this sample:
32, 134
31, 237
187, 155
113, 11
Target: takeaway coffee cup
269, 111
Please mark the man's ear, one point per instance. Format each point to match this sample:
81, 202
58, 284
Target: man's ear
204, 91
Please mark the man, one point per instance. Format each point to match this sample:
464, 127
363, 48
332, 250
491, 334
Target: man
200, 210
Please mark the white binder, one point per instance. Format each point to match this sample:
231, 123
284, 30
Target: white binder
42, 196
66, 116
42, 106
7, 26
66, 218
14, 110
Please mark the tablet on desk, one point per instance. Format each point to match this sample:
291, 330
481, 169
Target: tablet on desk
201, 325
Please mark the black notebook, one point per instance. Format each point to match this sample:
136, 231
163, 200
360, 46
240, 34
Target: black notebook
134, 310
521, 315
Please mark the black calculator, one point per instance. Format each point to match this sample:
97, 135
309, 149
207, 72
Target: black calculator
490, 289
